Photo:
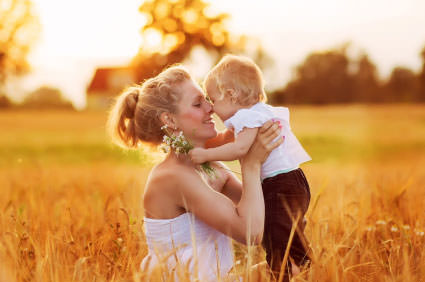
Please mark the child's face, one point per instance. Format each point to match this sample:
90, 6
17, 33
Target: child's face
224, 107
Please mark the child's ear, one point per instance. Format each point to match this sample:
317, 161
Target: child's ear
232, 94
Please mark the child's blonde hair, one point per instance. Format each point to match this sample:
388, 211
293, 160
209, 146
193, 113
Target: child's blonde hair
241, 75
134, 117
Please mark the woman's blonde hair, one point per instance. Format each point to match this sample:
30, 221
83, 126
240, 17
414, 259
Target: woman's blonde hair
241, 75
134, 117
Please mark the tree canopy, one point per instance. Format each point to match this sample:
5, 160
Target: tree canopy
19, 28
174, 28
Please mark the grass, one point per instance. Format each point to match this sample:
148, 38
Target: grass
71, 202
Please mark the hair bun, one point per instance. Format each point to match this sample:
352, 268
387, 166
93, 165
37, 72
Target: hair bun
131, 101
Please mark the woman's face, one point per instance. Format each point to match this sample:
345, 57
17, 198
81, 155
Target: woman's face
194, 113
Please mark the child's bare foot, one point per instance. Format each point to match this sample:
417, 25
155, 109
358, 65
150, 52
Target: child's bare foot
294, 268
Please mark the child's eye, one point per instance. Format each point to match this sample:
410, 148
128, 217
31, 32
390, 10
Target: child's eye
197, 105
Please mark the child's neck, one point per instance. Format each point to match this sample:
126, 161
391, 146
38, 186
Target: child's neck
240, 107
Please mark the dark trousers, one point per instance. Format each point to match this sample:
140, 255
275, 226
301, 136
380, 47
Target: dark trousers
286, 197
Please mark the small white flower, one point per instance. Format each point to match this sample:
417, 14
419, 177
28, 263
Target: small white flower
394, 228
120, 240
419, 232
370, 228
406, 227
164, 127
164, 148
381, 222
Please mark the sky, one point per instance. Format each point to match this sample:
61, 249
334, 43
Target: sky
79, 35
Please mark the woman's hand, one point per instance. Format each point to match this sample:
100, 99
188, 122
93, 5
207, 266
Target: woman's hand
263, 144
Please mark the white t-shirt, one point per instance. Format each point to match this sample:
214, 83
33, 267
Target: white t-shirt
290, 154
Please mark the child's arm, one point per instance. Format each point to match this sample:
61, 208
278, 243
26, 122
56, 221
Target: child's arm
222, 138
227, 152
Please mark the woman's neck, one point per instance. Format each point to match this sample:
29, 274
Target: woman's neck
198, 143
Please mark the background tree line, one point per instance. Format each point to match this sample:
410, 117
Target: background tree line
323, 77
179, 26
333, 77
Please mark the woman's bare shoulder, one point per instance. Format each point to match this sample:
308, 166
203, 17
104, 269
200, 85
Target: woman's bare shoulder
161, 193
176, 179
222, 168
165, 175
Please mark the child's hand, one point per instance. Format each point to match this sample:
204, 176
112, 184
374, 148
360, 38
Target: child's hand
197, 155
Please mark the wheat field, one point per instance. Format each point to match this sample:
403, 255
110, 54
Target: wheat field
71, 205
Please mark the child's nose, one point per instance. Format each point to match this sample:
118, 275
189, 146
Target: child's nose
209, 108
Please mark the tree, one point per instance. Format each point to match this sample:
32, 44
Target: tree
46, 97
323, 77
421, 78
19, 28
365, 79
402, 85
332, 76
4, 101
174, 28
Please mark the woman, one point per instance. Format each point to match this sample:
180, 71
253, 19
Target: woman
190, 216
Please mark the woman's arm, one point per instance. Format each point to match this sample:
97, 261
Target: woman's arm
245, 221
227, 152
233, 186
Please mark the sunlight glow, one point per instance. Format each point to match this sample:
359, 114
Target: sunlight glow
170, 41
152, 39
190, 16
108, 32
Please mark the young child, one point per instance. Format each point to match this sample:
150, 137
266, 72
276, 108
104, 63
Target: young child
235, 87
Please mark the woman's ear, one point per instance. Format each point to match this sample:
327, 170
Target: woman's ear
168, 119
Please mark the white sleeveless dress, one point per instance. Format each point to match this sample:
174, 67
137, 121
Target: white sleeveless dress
189, 241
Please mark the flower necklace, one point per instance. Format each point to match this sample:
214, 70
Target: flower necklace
181, 145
